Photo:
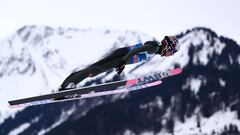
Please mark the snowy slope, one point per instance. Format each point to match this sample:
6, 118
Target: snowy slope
215, 123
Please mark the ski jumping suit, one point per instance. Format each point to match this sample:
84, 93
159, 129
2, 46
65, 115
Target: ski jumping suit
132, 54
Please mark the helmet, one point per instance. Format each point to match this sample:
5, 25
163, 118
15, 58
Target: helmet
170, 43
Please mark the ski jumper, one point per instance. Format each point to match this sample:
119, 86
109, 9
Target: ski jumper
133, 54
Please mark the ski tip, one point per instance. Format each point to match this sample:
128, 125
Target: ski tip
176, 71
131, 82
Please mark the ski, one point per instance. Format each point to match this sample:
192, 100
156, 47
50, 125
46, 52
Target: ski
98, 90
90, 95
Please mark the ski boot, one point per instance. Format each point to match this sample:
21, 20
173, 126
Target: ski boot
69, 86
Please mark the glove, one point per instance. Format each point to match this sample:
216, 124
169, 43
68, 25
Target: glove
120, 66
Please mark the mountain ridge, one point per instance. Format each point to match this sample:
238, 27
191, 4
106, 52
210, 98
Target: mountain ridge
207, 85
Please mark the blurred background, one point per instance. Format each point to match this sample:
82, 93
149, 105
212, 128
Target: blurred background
42, 42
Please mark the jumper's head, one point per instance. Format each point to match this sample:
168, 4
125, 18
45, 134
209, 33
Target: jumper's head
170, 45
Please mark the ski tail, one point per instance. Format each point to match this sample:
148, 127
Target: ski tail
176, 71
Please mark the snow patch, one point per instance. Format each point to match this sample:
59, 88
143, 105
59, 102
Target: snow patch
64, 116
187, 128
19, 129
128, 132
222, 67
222, 82
216, 123
156, 103
194, 83
238, 59
202, 56
218, 46
230, 59
218, 120
147, 133
207, 49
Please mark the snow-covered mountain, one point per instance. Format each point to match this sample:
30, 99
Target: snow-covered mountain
204, 99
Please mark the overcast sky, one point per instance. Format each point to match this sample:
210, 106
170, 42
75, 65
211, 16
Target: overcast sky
153, 17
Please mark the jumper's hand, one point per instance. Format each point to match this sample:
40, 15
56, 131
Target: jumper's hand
120, 66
